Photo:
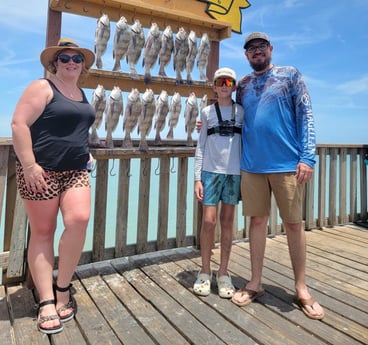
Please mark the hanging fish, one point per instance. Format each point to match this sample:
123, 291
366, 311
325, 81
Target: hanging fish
122, 38
99, 104
174, 113
190, 115
131, 114
146, 117
192, 54
162, 109
181, 50
151, 50
203, 102
135, 47
166, 50
114, 110
102, 35
202, 56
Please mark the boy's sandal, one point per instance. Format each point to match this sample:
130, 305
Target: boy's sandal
65, 307
42, 319
202, 285
225, 286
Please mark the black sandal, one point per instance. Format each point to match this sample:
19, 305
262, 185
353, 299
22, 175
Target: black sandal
69, 305
41, 319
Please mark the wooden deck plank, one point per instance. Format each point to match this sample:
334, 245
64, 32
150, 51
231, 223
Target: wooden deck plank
24, 314
324, 273
341, 312
209, 332
253, 325
151, 319
117, 316
5, 325
89, 318
174, 312
148, 299
281, 287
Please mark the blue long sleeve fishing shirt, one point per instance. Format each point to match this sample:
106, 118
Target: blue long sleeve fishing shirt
278, 130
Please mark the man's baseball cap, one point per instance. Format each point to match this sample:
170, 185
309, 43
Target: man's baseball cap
256, 36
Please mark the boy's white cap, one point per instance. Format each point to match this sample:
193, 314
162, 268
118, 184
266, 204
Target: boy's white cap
224, 72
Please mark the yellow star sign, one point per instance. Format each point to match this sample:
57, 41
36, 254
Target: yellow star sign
228, 11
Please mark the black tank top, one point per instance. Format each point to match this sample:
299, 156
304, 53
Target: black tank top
60, 134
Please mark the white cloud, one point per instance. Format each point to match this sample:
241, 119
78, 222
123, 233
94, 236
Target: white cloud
355, 87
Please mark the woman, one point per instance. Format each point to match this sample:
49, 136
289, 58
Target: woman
50, 136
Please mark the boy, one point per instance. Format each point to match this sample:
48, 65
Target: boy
217, 178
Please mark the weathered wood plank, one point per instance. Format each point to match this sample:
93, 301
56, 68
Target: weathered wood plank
252, 324
321, 186
5, 325
332, 187
143, 204
163, 203
353, 185
151, 319
99, 228
181, 208
122, 210
24, 314
345, 283
18, 241
4, 156
103, 292
181, 319
333, 300
71, 334
95, 328
343, 216
282, 286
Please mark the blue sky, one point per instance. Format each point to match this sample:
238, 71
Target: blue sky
326, 40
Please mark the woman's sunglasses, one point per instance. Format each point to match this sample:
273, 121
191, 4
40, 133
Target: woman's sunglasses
224, 81
64, 58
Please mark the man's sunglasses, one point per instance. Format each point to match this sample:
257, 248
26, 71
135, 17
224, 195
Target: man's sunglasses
64, 58
224, 81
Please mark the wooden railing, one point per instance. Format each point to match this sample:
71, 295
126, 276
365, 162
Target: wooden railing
143, 202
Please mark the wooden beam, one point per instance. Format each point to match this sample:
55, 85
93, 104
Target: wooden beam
189, 14
110, 79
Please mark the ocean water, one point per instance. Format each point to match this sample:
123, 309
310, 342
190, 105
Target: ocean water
111, 208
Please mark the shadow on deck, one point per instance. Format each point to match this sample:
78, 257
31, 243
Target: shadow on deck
147, 299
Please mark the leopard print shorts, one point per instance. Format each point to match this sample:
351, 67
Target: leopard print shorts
57, 181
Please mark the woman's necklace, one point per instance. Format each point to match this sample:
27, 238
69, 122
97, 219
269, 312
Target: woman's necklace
66, 88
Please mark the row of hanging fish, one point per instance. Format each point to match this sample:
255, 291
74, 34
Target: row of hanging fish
130, 42
142, 112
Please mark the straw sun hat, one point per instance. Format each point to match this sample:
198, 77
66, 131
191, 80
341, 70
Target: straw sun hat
49, 54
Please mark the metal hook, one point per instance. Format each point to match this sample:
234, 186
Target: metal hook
172, 169
85, 10
112, 168
93, 172
157, 170
67, 5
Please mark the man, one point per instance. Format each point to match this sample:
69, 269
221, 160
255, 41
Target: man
278, 156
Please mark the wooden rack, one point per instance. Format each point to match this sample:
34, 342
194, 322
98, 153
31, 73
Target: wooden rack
189, 14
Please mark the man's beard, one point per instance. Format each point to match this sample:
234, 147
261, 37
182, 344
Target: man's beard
260, 66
